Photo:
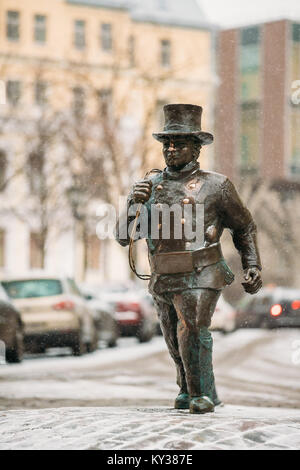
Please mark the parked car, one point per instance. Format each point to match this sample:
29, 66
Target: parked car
149, 299
224, 317
272, 307
104, 317
135, 315
11, 329
53, 312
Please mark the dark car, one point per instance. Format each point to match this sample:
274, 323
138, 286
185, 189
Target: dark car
11, 329
270, 308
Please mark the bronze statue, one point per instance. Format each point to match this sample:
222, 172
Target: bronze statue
187, 276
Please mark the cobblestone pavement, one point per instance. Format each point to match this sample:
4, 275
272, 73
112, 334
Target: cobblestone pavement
112, 428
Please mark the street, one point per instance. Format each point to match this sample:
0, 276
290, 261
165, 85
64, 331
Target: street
122, 398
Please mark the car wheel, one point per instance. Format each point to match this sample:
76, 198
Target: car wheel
15, 355
93, 345
79, 347
224, 332
144, 333
265, 325
112, 343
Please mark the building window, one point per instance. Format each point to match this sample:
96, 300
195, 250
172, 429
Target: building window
295, 56
250, 138
79, 34
106, 37
165, 53
159, 111
36, 251
131, 51
250, 96
13, 92
3, 169
13, 25
93, 252
40, 28
250, 64
295, 144
40, 93
2, 248
294, 163
78, 102
35, 171
296, 32
105, 101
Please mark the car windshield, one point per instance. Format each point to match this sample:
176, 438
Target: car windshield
32, 288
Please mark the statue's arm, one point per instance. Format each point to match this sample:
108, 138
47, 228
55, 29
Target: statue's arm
238, 219
136, 201
121, 231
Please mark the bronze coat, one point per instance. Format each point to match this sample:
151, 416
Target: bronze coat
223, 209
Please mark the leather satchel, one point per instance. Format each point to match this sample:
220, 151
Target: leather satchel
177, 262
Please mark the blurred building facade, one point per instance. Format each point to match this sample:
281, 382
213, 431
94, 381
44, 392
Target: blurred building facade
258, 136
257, 122
80, 58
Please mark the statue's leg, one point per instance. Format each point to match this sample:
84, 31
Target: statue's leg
195, 308
168, 321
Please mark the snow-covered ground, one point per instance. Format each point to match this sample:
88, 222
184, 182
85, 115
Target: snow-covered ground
117, 398
159, 428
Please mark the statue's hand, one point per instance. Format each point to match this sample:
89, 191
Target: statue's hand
253, 280
142, 191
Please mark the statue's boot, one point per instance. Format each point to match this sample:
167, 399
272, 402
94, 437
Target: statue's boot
208, 398
201, 405
182, 401
214, 396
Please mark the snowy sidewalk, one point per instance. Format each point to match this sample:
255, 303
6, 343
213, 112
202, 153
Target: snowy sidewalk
161, 428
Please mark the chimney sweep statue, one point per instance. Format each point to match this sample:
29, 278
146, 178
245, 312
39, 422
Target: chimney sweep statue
187, 276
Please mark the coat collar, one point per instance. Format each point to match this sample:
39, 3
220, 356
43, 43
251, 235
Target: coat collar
187, 171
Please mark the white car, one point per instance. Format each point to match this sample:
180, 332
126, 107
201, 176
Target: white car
53, 312
224, 317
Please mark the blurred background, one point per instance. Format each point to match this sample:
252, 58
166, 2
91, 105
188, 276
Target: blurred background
82, 87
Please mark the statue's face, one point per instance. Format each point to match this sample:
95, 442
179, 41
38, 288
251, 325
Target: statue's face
178, 151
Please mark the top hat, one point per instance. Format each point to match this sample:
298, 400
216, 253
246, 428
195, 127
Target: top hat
183, 120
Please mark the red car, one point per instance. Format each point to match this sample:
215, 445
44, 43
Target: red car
135, 314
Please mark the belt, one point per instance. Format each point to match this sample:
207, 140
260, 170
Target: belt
176, 262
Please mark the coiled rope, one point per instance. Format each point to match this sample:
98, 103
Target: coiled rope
143, 277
